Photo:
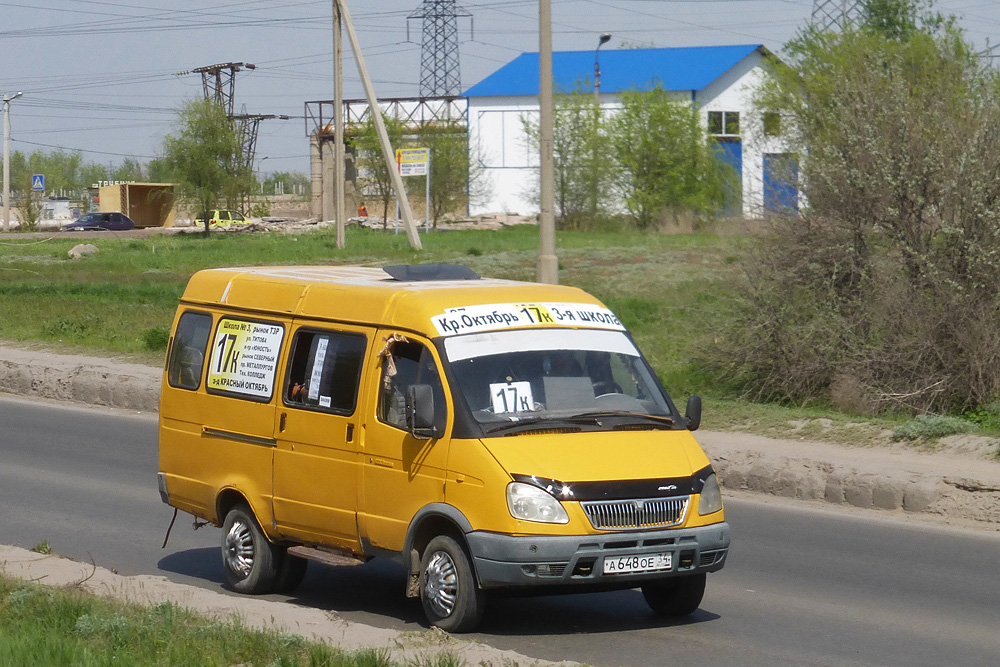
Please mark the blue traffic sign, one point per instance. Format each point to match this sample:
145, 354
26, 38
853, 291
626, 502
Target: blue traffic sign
38, 182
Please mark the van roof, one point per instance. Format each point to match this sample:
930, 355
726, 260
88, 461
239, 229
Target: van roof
369, 295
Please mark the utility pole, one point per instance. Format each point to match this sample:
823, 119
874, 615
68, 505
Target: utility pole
6, 158
548, 263
338, 124
376, 112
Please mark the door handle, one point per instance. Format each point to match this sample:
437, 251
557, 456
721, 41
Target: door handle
282, 421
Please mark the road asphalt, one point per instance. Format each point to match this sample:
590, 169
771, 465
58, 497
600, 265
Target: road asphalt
958, 482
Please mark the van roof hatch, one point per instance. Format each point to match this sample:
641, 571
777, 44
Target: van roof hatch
424, 272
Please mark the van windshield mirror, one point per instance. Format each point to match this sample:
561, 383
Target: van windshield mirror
541, 374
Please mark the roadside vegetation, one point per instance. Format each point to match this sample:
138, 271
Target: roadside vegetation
676, 292
64, 627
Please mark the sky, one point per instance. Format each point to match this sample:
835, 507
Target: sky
104, 77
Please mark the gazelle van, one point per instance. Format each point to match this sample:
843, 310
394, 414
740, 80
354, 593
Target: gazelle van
487, 435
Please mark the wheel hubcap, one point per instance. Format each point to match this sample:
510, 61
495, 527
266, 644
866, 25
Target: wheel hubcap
441, 583
238, 549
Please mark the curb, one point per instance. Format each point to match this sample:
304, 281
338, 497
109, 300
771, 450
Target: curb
80, 379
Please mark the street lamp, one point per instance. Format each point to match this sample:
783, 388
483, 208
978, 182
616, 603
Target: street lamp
605, 38
6, 159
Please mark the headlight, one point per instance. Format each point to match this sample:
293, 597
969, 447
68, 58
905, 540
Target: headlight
533, 504
711, 496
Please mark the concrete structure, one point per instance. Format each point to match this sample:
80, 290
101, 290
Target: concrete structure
719, 80
148, 204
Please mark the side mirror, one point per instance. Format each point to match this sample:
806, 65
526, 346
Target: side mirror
420, 411
693, 413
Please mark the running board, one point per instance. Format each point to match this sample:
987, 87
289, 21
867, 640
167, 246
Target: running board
325, 557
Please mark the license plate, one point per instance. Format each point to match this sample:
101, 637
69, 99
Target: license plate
641, 563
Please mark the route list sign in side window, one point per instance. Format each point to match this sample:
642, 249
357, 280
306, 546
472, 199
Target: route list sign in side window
245, 358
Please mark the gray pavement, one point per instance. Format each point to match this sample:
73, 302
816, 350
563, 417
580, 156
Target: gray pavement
958, 483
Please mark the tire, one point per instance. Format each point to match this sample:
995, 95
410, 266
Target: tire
248, 558
449, 593
678, 596
290, 573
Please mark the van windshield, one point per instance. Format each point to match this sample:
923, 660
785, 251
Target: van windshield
546, 376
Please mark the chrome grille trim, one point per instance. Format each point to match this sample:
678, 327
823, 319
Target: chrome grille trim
637, 514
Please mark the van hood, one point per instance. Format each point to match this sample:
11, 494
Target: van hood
638, 463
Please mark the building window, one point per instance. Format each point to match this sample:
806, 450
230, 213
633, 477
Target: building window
726, 123
772, 124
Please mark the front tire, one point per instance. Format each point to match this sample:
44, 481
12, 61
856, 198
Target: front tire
248, 558
677, 596
448, 591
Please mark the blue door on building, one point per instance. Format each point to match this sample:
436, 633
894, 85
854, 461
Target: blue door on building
731, 152
781, 183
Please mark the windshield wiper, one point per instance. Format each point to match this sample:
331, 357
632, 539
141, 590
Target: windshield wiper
537, 422
582, 418
599, 414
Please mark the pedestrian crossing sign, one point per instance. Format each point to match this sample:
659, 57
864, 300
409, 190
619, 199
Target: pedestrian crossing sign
38, 182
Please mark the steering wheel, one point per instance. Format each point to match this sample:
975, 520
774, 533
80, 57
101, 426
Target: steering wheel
605, 387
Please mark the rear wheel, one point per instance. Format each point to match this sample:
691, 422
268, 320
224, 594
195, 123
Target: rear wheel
248, 558
448, 592
678, 596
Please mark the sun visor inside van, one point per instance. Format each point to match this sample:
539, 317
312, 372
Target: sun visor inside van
421, 272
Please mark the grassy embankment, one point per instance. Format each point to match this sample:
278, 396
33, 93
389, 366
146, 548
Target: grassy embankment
672, 291
53, 627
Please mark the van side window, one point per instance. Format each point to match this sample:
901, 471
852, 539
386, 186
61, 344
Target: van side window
413, 364
187, 355
325, 371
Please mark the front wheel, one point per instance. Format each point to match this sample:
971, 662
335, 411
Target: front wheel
678, 596
448, 592
249, 559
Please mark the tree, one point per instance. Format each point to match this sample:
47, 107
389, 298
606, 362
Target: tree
373, 173
202, 158
883, 294
665, 160
584, 169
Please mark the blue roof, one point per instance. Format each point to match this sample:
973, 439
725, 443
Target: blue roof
681, 68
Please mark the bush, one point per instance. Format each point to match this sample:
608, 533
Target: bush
888, 283
156, 338
931, 427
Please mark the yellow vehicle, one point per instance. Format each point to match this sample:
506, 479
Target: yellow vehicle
220, 218
484, 434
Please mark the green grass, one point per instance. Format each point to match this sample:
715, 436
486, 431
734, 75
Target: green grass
67, 628
673, 291
668, 289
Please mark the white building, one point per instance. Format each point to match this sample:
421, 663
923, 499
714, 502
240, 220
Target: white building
719, 80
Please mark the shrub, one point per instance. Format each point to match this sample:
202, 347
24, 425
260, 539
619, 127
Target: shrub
156, 338
931, 427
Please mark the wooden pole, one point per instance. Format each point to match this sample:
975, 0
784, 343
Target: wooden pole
387, 152
338, 124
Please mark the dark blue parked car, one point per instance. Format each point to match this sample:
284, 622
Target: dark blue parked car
112, 222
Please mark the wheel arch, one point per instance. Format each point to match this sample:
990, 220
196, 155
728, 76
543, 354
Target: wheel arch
429, 522
227, 499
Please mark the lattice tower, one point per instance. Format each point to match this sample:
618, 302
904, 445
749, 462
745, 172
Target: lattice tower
439, 59
828, 15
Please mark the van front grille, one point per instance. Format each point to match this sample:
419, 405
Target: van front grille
636, 514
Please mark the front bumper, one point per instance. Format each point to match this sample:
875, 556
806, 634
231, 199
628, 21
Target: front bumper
504, 561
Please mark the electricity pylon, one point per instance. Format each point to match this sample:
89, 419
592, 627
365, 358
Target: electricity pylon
440, 74
828, 15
